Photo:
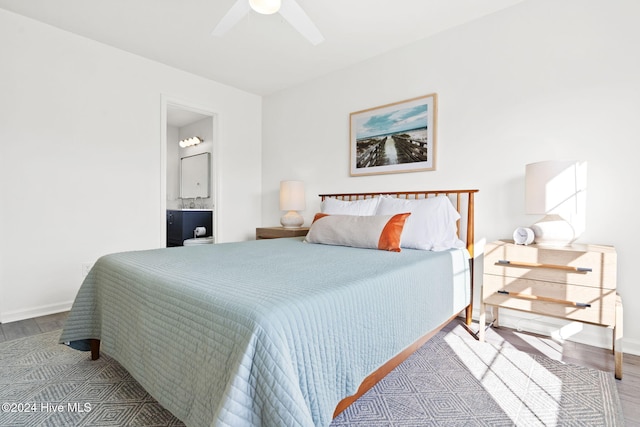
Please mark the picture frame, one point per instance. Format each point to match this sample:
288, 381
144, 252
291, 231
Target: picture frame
394, 138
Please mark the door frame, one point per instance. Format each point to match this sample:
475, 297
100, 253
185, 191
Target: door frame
166, 101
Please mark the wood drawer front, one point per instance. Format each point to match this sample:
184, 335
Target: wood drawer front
600, 259
601, 312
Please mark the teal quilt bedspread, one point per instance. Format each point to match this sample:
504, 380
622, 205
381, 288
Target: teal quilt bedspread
262, 333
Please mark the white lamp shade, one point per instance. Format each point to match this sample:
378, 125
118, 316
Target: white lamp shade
557, 189
292, 196
554, 186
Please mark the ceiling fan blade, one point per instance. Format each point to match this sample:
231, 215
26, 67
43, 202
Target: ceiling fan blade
293, 13
238, 11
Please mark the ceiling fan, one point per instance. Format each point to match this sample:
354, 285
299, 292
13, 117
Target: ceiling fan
289, 9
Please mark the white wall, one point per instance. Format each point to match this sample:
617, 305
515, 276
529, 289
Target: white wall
81, 170
542, 80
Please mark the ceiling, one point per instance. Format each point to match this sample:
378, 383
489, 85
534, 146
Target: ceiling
262, 54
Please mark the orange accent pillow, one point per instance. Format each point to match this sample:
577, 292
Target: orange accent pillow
382, 232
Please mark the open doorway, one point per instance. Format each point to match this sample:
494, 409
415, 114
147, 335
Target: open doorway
181, 121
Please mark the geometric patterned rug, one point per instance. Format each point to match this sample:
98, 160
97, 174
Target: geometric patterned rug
450, 381
43, 383
455, 381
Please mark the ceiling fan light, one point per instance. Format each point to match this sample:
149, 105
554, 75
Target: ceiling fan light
266, 7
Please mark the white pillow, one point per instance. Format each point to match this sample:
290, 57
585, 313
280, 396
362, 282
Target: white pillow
359, 231
431, 226
364, 207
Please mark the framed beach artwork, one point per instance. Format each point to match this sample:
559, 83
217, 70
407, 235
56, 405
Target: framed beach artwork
394, 138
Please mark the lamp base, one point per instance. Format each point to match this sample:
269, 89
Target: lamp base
292, 219
553, 230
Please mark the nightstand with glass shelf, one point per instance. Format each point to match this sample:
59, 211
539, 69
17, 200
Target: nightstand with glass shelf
576, 282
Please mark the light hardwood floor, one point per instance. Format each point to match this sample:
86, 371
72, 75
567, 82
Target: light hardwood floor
569, 352
25, 328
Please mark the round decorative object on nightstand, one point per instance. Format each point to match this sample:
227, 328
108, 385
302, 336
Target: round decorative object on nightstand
523, 236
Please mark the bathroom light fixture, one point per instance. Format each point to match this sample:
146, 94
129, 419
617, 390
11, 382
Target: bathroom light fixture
556, 189
292, 200
265, 7
188, 142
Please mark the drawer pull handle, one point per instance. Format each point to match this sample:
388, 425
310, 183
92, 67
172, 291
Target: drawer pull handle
537, 265
534, 297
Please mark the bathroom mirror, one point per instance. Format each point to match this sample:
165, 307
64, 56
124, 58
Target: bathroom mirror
195, 176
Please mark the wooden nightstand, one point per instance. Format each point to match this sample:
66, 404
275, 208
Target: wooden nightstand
278, 232
576, 282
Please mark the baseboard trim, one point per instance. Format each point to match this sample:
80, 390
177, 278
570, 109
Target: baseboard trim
44, 310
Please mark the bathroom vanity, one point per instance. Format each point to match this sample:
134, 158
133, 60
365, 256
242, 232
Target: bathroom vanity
181, 224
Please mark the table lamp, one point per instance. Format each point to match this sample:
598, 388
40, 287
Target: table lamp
292, 200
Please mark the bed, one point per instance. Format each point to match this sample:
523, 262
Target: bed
271, 332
